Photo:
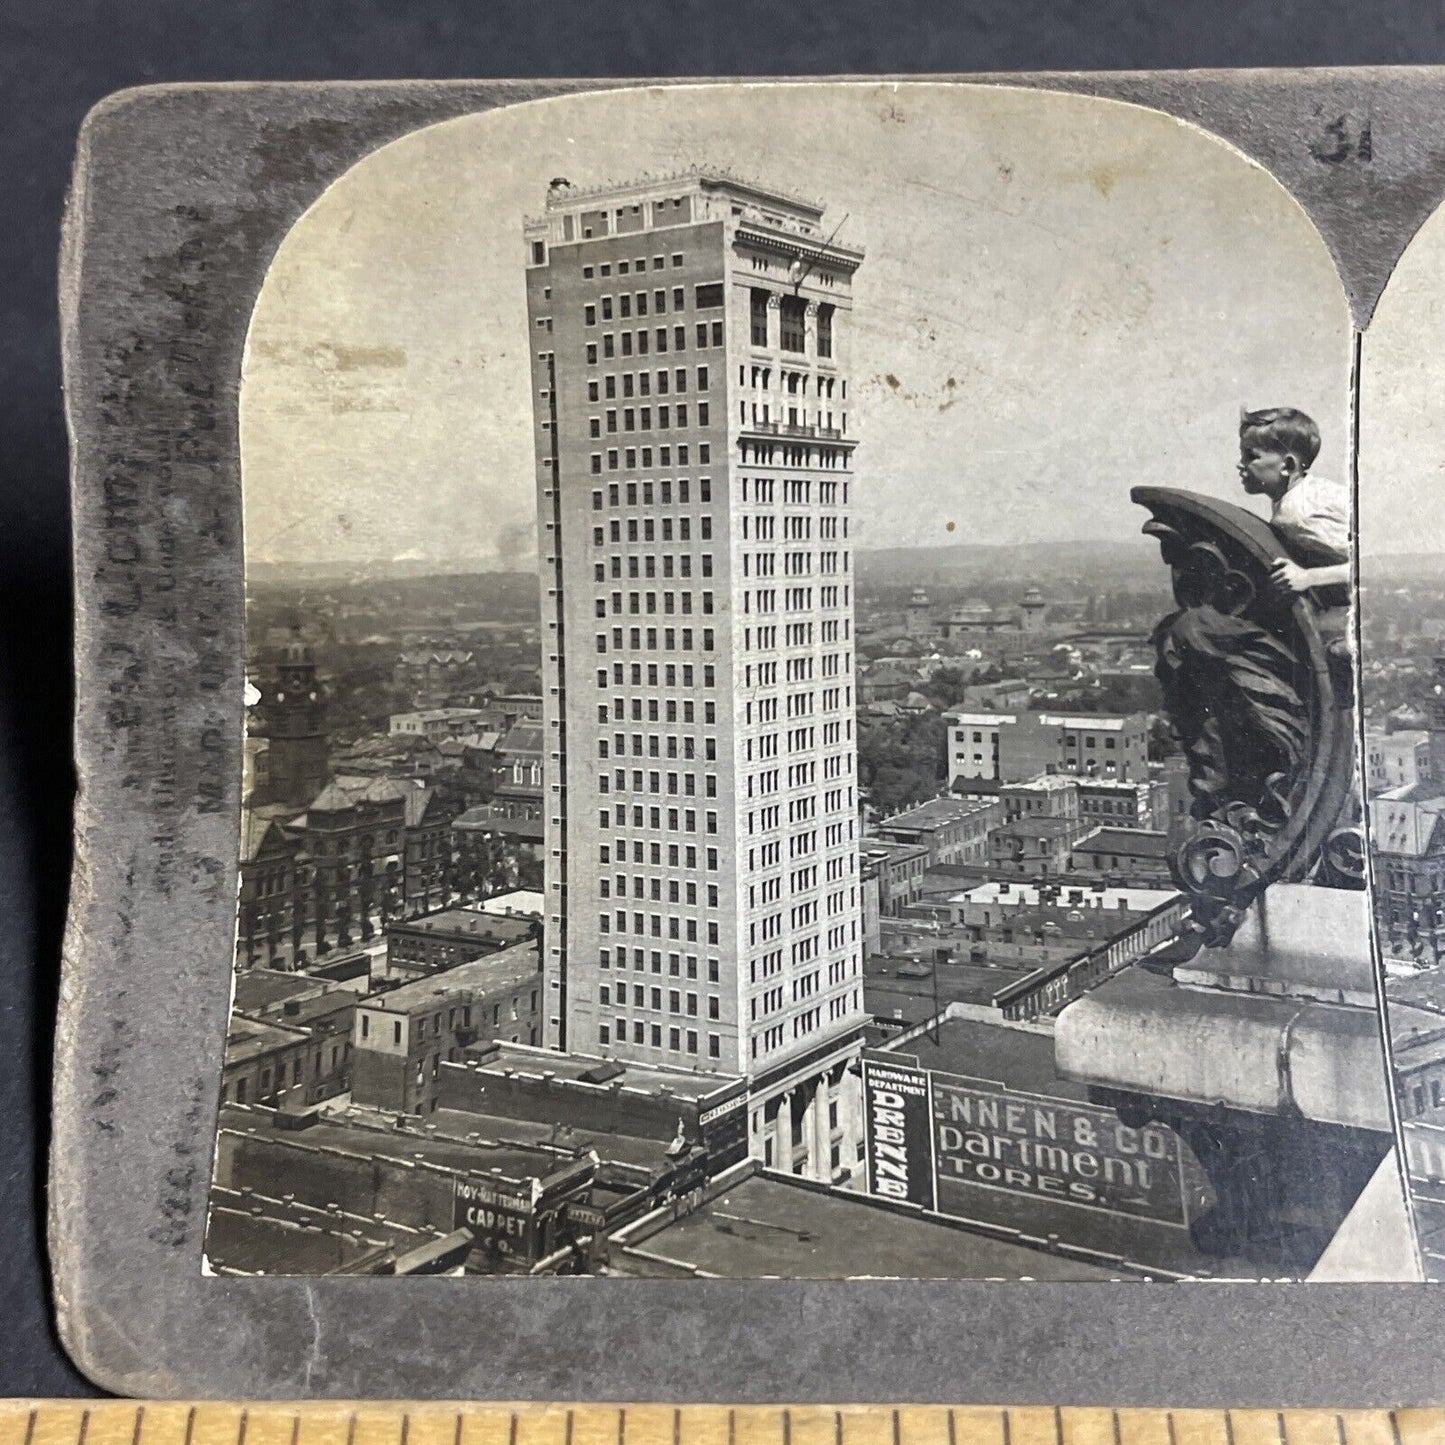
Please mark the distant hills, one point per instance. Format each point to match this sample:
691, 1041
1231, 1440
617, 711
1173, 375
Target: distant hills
463, 598
1020, 563
959, 563
294, 574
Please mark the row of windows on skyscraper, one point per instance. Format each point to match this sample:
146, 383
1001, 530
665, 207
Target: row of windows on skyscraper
646, 340
709, 296
615, 457
634, 419
607, 387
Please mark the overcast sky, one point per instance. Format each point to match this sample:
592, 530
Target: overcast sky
1062, 297
1402, 405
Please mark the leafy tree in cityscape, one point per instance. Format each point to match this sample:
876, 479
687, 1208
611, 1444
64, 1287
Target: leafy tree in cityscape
901, 760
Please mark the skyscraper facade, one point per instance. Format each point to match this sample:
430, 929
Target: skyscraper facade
689, 353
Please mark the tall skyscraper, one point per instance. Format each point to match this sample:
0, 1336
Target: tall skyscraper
690, 342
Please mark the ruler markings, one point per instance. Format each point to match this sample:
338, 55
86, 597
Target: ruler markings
25, 1422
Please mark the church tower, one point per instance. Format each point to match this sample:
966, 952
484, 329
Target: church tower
918, 619
1033, 612
291, 715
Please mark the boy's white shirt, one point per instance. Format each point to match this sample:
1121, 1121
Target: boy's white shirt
1312, 519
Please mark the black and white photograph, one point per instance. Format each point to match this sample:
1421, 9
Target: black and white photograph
1402, 610
801, 709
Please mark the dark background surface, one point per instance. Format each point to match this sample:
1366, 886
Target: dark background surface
56, 60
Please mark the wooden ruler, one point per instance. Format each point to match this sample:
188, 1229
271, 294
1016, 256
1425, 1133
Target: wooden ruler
122, 1422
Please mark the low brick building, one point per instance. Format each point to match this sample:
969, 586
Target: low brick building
900, 868
1032, 847
401, 1037
1128, 857
451, 936
1115, 803
954, 830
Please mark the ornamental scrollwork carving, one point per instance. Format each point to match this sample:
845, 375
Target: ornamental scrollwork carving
1257, 689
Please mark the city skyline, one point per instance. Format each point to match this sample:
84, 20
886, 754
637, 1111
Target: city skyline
1046, 316
705, 878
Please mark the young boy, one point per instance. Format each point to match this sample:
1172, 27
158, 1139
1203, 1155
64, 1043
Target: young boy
1311, 516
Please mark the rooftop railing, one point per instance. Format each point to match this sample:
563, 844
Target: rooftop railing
1047, 989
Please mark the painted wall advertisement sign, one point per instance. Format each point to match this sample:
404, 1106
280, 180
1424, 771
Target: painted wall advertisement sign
929, 1134
503, 1223
898, 1133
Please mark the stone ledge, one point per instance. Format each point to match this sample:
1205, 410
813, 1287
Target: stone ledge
1297, 940
1143, 1034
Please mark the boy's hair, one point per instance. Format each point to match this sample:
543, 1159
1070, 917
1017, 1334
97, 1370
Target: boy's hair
1290, 430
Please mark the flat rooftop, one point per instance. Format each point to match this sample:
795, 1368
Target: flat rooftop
688, 1084
881, 851
767, 1227
1424, 990
1092, 722
936, 813
1045, 783
483, 924
978, 1043
258, 989
1030, 895
358, 1131
893, 995
240, 1241
520, 901
1417, 1035
252, 1232
248, 1038
633, 1149
323, 1007
507, 969
1136, 842
1065, 920
442, 714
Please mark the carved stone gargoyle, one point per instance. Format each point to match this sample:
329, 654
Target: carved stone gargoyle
1258, 689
